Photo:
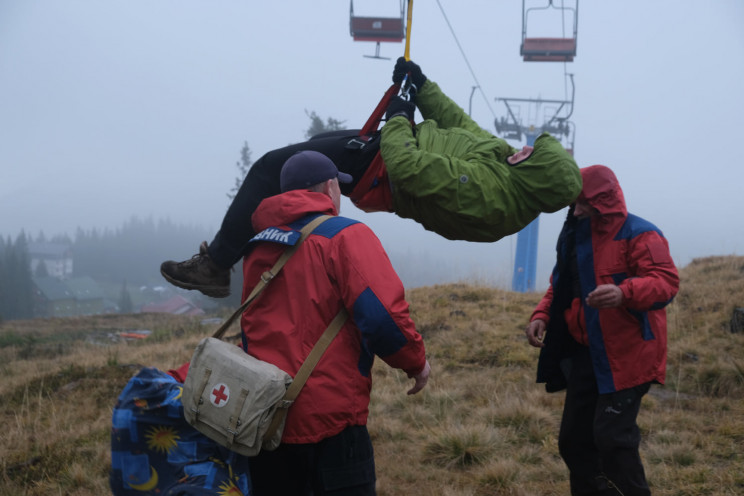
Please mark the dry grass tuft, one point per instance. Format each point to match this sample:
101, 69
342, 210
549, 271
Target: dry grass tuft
481, 427
460, 447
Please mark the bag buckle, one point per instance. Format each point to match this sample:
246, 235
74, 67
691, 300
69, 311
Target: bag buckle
360, 142
355, 144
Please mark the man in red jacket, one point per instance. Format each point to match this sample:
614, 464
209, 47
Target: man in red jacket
601, 327
325, 444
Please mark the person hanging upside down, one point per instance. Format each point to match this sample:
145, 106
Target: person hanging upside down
446, 172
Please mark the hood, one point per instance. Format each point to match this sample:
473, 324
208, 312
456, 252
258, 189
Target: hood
552, 176
602, 190
547, 149
283, 209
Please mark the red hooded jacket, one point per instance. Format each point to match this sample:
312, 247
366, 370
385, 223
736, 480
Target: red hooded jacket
342, 264
628, 344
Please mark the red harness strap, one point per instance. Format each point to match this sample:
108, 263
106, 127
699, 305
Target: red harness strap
372, 192
370, 127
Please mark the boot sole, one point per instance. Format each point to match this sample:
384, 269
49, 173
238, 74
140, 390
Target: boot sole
211, 291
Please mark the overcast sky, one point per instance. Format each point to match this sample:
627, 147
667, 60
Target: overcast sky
115, 108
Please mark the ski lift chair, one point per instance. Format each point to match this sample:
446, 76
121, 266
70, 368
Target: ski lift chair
376, 29
548, 49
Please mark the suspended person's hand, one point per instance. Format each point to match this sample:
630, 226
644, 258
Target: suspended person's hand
403, 67
399, 106
400, 70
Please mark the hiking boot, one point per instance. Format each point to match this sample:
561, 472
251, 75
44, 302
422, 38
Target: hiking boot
200, 273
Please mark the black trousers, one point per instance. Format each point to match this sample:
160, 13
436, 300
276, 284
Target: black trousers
599, 436
341, 465
231, 241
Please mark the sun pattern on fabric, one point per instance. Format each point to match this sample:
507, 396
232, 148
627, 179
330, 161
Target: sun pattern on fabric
140, 403
161, 439
228, 488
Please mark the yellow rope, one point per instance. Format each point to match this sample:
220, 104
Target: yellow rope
407, 53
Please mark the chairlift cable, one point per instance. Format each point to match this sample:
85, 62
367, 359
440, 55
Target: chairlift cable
565, 66
563, 31
467, 62
563, 18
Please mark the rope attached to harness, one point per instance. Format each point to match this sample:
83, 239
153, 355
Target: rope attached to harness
407, 53
373, 123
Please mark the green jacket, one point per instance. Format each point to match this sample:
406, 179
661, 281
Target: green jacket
453, 178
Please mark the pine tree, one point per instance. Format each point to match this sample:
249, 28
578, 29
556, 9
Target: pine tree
317, 126
125, 300
23, 283
3, 279
243, 165
16, 286
41, 270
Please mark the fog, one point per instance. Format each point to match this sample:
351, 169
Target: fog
116, 109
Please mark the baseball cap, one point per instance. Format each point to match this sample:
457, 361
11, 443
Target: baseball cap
307, 168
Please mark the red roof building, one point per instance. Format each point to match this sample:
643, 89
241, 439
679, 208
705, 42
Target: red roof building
178, 305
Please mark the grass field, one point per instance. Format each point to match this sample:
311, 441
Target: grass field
481, 427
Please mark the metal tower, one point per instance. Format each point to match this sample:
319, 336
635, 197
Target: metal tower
511, 127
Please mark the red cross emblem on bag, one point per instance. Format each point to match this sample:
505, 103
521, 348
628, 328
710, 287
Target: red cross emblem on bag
220, 395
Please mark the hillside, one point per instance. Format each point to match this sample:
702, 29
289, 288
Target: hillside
482, 426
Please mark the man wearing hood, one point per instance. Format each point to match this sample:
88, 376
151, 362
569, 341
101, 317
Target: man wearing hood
325, 447
447, 173
601, 327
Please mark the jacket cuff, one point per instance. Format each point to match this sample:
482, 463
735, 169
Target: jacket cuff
399, 114
416, 371
540, 315
627, 293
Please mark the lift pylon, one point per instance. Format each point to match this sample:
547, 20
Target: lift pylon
555, 121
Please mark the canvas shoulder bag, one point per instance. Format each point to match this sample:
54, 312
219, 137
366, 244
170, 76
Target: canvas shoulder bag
241, 402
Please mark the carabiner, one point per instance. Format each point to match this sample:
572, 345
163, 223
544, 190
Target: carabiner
407, 89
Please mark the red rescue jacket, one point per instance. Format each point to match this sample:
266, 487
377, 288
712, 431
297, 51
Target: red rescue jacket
628, 345
342, 264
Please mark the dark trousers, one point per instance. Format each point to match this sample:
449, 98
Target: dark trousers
341, 465
599, 436
231, 241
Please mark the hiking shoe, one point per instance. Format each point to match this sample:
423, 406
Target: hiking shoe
200, 273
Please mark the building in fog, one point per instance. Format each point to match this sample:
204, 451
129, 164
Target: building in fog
56, 257
55, 297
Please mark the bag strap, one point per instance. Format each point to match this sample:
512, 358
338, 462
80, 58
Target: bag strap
270, 274
320, 347
305, 370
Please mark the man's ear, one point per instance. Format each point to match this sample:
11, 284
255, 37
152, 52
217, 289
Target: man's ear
327, 187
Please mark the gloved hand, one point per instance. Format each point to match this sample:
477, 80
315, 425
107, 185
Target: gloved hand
399, 106
403, 67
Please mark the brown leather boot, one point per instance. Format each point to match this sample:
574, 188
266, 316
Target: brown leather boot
200, 273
